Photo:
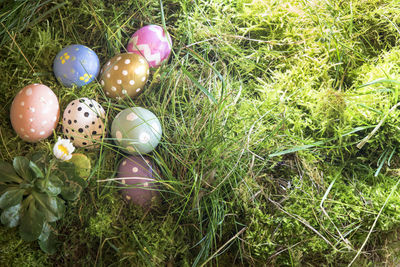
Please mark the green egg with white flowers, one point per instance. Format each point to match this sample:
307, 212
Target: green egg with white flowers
136, 130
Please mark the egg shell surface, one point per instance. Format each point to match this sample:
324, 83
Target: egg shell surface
153, 43
138, 180
124, 75
34, 112
76, 65
83, 122
137, 130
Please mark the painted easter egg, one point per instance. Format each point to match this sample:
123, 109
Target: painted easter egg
34, 112
136, 130
153, 43
83, 122
76, 65
138, 178
124, 75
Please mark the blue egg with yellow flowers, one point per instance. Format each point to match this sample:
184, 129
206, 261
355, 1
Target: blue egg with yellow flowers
76, 65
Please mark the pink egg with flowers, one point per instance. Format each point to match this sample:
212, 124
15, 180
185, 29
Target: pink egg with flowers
153, 43
34, 112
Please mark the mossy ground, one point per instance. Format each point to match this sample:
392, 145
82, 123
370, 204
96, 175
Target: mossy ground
267, 174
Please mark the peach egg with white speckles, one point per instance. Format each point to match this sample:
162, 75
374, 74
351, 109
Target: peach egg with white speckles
124, 75
34, 112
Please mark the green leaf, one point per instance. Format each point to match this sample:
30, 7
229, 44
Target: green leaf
65, 170
71, 190
21, 166
52, 189
47, 239
35, 168
52, 207
40, 159
54, 186
11, 198
55, 180
31, 223
82, 182
7, 173
45, 232
10, 217
40, 184
3, 188
73, 184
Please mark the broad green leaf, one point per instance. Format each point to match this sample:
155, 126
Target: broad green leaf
71, 190
21, 166
73, 184
65, 171
82, 182
47, 239
3, 188
56, 181
52, 189
40, 159
11, 198
52, 207
54, 185
7, 173
47, 187
45, 232
35, 168
31, 223
40, 184
10, 217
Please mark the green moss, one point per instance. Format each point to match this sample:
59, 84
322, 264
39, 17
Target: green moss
284, 230
82, 164
15, 252
100, 225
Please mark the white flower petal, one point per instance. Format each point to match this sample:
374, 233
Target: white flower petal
63, 149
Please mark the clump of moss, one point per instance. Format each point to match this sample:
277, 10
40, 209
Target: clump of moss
15, 252
331, 110
150, 240
294, 228
82, 164
100, 224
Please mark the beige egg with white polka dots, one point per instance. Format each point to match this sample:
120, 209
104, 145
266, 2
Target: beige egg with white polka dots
124, 75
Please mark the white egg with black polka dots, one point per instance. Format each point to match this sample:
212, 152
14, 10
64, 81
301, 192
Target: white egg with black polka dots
84, 123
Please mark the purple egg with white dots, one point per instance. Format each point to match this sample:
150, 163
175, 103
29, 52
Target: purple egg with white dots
138, 178
76, 65
84, 122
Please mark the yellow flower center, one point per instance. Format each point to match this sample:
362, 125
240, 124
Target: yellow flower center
63, 149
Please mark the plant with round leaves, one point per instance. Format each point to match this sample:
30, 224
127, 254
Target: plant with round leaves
33, 194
